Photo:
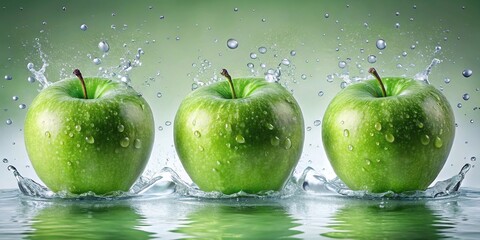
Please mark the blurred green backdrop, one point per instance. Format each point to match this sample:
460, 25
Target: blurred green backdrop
184, 44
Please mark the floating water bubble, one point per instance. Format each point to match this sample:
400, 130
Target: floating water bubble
97, 61
83, 27
103, 46
197, 134
253, 55
31, 79
162, 17
425, 139
467, 73
342, 64
378, 126
397, 13
466, 96
372, 59
8, 77
329, 78
381, 44
350, 147
346, 133
232, 43
404, 54
264, 20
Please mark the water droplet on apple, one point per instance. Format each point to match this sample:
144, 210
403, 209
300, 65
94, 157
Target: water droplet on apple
275, 141
350, 147
346, 133
125, 142
240, 139
120, 128
219, 163
48, 134
466, 96
389, 137
137, 143
90, 139
232, 43
197, 134
378, 126
368, 162
363, 169
78, 128
228, 127
270, 126
83, 27
214, 170
262, 50
103, 46
425, 139
381, 44
69, 163
372, 59
420, 124
71, 134
438, 142
287, 144
467, 73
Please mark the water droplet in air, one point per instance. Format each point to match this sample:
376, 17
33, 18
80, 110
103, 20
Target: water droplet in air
137, 143
467, 73
83, 27
197, 134
125, 142
372, 59
425, 139
381, 44
346, 133
378, 126
240, 139
103, 46
262, 50
90, 139
389, 137
287, 144
232, 43
438, 142
466, 96
8, 121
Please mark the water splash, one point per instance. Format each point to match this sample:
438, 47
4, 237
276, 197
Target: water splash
313, 183
423, 76
39, 74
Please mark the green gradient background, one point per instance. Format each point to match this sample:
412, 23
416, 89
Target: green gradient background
169, 66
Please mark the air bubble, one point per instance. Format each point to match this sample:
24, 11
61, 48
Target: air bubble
97, 61
293, 53
8, 121
83, 27
425, 139
253, 55
262, 50
30, 66
103, 46
270, 126
5, 160
303, 76
31, 79
466, 96
317, 123
381, 44
342, 64
8, 77
120, 128
232, 43
48, 134
286, 62
350, 147
78, 128
159, 94
467, 73
459, 105
397, 25
372, 59
250, 65
327, 15
473, 159
168, 123
275, 141
447, 80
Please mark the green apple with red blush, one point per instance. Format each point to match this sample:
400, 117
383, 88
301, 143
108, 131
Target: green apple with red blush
243, 134
93, 135
390, 134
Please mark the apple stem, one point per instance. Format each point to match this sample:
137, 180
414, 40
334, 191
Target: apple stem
230, 82
374, 72
84, 88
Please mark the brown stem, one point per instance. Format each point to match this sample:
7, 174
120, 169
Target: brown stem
375, 74
230, 82
84, 88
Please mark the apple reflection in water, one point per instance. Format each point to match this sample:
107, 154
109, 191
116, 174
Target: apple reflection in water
87, 221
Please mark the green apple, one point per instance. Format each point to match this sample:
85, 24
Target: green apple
392, 135
90, 135
241, 135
